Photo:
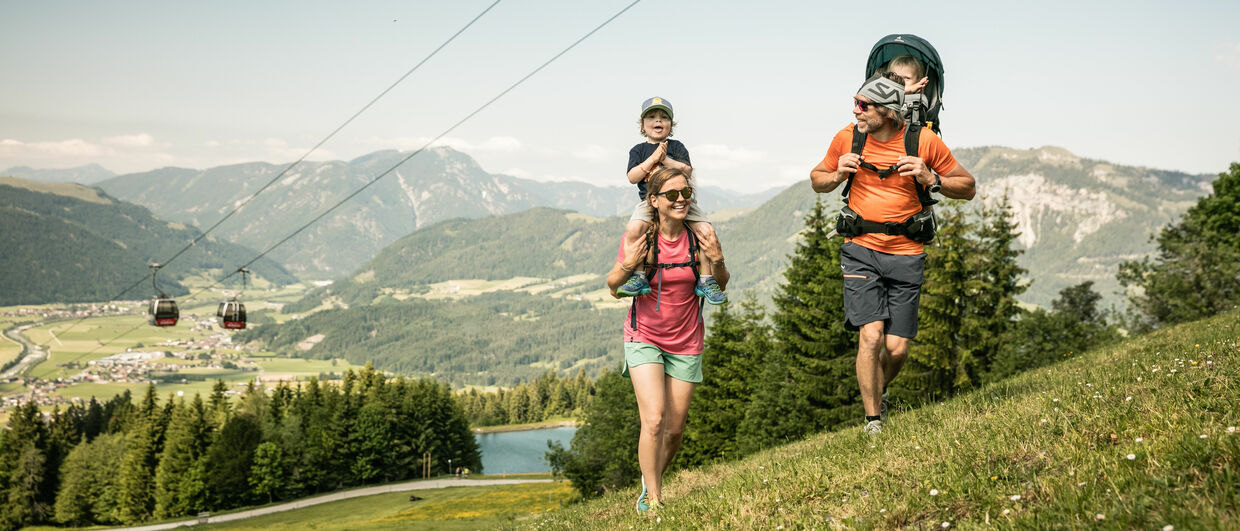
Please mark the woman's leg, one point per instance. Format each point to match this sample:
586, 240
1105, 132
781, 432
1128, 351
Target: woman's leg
677, 395
648, 386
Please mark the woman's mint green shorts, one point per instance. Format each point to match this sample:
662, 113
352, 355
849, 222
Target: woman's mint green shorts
683, 367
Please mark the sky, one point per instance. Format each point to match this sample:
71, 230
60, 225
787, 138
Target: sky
758, 89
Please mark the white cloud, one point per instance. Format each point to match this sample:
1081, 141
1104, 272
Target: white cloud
130, 141
720, 152
64, 148
1229, 55
596, 153
495, 144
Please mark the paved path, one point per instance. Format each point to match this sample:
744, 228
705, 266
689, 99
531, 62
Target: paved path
337, 496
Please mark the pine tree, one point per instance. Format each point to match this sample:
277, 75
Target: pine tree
176, 491
992, 307
778, 413
1197, 271
267, 474
229, 459
738, 345
89, 485
937, 359
137, 485
603, 453
809, 326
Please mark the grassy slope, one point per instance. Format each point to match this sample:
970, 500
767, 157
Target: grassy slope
1048, 448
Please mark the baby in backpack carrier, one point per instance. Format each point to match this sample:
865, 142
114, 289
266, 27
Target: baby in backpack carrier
661, 151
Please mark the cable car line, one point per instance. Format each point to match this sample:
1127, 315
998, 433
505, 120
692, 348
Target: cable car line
273, 180
399, 163
426, 145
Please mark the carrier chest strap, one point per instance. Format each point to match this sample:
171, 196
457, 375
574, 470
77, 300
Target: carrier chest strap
657, 270
912, 140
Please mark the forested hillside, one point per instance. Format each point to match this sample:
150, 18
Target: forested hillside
493, 339
62, 242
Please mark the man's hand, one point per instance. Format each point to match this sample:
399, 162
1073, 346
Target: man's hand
916, 168
849, 163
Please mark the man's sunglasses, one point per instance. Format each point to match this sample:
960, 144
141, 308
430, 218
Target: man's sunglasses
863, 105
675, 195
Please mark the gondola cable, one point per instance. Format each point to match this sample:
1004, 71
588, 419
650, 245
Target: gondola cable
402, 161
282, 173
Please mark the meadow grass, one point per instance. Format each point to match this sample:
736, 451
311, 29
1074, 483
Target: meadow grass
447, 508
1138, 435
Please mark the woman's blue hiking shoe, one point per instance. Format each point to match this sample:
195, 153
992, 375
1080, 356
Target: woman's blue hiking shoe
634, 286
708, 289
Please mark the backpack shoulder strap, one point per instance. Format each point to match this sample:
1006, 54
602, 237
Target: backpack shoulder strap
912, 146
858, 144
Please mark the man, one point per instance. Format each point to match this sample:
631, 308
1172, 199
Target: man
882, 255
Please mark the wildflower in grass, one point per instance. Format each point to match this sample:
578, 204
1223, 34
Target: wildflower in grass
934, 492
1231, 429
1081, 484
1140, 439
1129, 399
1203, 436
1015, 497
881, 511
1007, 511
1043, 421
994, 477
1168, 527
946, 525
1132, 456
1100, 516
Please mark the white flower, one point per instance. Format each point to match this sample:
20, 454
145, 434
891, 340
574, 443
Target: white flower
881, 511
1054, 400
1043, 421
1100, 516
780, 527
658, 520
1015, 497
1132, 456
934, 492
946, 525
1168, 527
916, 447
1081, 484
1138, 378
1231, 429
1129, 399
1203, 436
1140, 439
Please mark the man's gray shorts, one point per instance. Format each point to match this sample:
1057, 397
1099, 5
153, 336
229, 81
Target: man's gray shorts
881, 287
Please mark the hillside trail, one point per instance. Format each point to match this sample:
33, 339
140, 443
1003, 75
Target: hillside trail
336, 496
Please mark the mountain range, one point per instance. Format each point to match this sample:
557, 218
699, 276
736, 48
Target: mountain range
435, 185
88, 174
64, 242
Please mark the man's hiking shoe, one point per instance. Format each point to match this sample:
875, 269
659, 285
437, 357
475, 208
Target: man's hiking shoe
641, 499
709, 289
873, 427
634, 286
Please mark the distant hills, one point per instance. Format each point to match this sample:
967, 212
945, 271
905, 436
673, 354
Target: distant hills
436, 185
1078, 218
88, 174
64, 242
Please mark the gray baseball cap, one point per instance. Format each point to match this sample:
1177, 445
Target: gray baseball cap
660, 103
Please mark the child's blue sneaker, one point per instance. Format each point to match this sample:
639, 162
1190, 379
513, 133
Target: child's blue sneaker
641, 499
634, 286
709, 289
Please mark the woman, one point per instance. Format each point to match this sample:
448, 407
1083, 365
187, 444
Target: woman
663, 332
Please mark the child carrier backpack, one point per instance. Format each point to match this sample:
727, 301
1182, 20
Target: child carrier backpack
657, 269
922, 108
919, 227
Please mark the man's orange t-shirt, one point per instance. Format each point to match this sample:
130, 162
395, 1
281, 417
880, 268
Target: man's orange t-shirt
893, 198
